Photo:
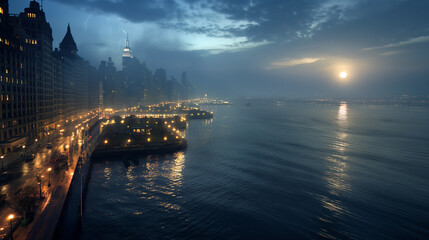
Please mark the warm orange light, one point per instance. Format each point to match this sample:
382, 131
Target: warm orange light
49, 169
10, 217
148, 139
105, 141
165, 138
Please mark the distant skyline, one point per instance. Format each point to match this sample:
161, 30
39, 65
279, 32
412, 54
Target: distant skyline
259, 48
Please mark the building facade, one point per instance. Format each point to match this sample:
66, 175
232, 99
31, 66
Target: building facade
41, 89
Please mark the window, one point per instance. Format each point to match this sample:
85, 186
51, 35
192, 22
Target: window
1, 10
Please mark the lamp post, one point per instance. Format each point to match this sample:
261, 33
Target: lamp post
68, 150
2, 159
23, 147
10, 218
37, 145
39, 181
49, 174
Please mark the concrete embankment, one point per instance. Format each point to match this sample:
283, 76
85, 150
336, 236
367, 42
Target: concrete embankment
160, 148
68, 225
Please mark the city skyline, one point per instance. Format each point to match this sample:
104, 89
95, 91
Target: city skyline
296, 50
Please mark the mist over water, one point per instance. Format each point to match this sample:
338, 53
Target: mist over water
274, 170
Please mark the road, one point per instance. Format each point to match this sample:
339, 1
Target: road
24, 175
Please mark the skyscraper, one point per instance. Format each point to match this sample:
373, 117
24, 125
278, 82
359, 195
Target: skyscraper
17, 82
39, 37
127, 56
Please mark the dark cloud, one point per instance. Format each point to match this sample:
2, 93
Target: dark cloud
366, 32
274, 20
132, 10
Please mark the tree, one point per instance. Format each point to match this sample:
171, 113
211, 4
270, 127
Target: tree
23, 202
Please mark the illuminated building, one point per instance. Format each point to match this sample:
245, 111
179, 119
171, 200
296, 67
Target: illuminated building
39, 37
17, 83
40, 89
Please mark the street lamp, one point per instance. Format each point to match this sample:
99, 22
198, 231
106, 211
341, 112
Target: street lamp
2, 159
39, 181
49, 172
10, 218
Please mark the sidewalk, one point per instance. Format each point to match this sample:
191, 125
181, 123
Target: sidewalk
23, 174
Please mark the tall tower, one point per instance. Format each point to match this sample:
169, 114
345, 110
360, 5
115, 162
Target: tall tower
127, 56
68, 45
39, 38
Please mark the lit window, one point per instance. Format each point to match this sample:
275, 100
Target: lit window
1, 10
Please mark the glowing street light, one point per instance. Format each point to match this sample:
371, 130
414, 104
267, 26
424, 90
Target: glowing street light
10, 218
49, 172
129, 140
2, 159
165, 138
106, 141
148, 139
39, 182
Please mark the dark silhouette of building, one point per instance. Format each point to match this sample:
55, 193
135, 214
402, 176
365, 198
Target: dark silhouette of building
80, 80
112, 85
135, 85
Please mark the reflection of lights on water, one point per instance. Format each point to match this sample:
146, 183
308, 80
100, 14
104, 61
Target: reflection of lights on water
342, 113
336, 176
107, 173
171, 171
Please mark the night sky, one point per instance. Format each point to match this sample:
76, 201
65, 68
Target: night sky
259, 48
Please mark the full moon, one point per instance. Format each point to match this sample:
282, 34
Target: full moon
343, 75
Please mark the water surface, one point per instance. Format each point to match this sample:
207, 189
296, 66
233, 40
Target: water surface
274, 170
